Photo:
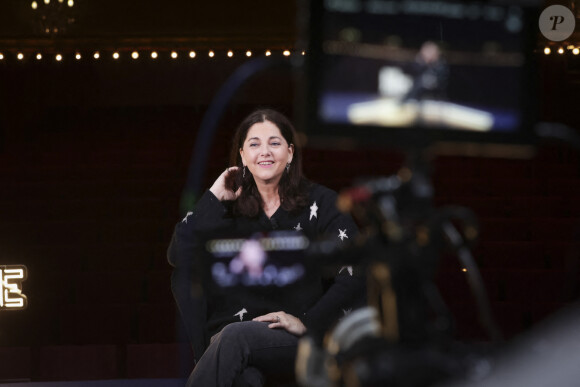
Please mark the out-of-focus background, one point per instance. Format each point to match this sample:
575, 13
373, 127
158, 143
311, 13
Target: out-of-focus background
100, 104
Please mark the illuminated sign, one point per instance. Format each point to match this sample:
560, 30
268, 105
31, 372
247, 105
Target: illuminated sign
11, 296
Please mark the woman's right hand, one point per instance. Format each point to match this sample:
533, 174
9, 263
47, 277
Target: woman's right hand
220, 190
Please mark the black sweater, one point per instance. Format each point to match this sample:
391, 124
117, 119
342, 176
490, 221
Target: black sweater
206, 313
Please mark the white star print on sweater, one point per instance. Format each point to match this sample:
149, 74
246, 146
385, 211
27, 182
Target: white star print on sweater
186, 216
348, 268
241, 314
313, 211
342, 234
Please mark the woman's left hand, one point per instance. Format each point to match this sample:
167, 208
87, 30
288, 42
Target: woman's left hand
283, 320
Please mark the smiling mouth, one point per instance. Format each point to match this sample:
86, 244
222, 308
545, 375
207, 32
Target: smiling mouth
266, 163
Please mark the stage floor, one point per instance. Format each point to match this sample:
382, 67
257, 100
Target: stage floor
104, 383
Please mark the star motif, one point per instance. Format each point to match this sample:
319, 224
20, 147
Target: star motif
186, 216
313, 210
298, 228
342, 234
241, 314
348, 268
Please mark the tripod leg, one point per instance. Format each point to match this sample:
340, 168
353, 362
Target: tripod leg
381, 296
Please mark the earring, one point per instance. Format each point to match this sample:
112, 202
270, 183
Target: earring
287, 167
244, 172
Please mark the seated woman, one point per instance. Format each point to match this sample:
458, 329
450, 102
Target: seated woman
237, 340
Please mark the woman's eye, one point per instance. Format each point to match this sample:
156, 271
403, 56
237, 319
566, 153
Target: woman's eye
275, 144
254, 144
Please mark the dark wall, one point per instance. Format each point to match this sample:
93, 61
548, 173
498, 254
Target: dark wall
106, 18
29, 91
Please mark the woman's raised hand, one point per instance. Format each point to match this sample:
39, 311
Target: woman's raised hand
220, 190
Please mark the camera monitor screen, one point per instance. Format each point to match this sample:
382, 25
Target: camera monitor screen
271, 260
413, 71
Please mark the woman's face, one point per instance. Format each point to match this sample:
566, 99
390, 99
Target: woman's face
265, 152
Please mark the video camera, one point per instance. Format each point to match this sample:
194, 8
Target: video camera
428, 78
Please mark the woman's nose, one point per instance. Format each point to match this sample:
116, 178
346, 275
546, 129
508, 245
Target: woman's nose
265, 150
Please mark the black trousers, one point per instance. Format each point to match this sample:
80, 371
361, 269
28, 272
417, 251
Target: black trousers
244, 354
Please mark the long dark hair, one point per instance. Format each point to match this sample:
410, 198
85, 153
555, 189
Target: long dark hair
293, 186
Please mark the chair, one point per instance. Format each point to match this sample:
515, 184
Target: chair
192, 306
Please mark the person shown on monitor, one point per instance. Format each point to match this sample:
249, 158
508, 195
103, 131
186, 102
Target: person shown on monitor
429, 72
250, 260
238, 340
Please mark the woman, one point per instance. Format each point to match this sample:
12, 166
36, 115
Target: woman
262, 191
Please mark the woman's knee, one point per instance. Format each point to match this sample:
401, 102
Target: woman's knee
240, 331
254, 335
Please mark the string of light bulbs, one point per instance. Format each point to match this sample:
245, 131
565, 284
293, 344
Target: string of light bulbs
35, 4
574, 50
22, 55
38, 55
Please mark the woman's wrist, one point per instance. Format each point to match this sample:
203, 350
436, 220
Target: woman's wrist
215, 193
